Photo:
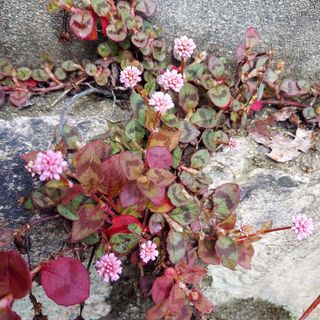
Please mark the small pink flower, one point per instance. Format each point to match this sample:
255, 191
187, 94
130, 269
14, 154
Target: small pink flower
232, 145
171, 80
109, 267
161, 102
302, 226
130, 76
48, 165
148, 251
184, 47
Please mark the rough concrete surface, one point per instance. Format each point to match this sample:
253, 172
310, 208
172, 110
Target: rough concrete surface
291, 27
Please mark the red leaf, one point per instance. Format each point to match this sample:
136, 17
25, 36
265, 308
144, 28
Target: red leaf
69, 194
256, 106
161, 289
194, 275
202, 303
66, 281
120, 224
113, 177
207, 252
30, 156
245, 252
14, 275
90, 220
159, 157
177, 298
84, 26
19, 98
158, 311
8, 314
130, 195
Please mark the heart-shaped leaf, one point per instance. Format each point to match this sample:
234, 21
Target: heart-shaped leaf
188, 132
117, 31
188, 97
204, 117
216, 66
101, 7
146, 7
220, 96
178, 195
83, 25
200, 159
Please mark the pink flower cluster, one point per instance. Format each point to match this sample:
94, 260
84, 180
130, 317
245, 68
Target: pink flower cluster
184, 47
109, 267
161, 102
148, 251
130, 76
302, 226
171, 80
48, 165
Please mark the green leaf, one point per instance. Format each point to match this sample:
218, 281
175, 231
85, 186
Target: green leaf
178, 195
226, 249
309, 113
197, 183
40, 75
139, 39
216, 66
176, 156
159, 50
23, 73
137, 103
188, 97
220, 96
134, 131
90, 221
67, 212
207, 252
204, 117
225, 200
211, 139
117, 31
93, 239
101, 7
6, 67
193, 71
185, 214
60, 74
200, 159
69, 66
135, 228
170, 120
41, 201
188, 132
176, 246
123, 243
146, 7
91, 69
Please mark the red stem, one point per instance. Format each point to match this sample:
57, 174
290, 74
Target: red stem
156, 120
263, 232
313, 305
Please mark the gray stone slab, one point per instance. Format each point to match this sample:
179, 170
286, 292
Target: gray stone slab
291, 27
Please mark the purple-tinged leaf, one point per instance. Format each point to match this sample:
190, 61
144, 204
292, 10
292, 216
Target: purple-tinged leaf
159, 157
84, 26
131, 165
146, 7
251, 38
130, 195
90, 220
19, 98
226, 249
156, 223
161, 289
245, 253
176, 246
207, 252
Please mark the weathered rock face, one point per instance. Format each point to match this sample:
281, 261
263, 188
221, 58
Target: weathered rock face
284, 271
288, 26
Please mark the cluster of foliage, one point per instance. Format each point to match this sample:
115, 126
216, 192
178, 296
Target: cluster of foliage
140, 191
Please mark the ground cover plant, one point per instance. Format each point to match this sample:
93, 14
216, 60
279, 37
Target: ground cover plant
138, 192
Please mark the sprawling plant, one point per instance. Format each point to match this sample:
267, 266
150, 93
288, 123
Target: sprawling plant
139, 191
